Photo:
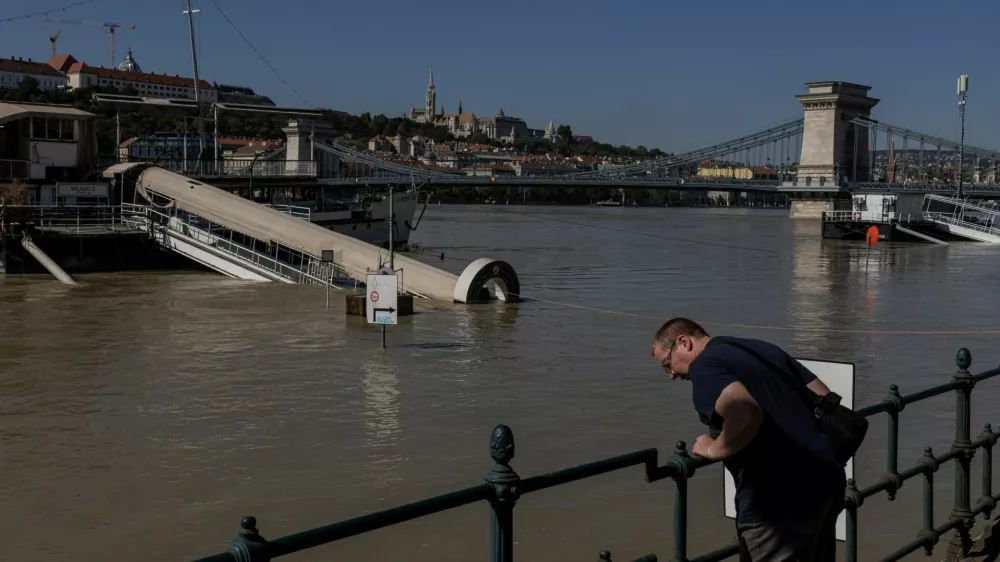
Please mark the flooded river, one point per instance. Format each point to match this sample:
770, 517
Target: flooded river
144, 414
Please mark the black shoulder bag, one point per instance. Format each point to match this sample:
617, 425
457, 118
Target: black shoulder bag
844, 427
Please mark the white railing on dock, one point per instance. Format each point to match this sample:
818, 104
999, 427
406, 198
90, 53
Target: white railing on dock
69, 219
302, 268
14, 169
241, 168
951, 219
962, 213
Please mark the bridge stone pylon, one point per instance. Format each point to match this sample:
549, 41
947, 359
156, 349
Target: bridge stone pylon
832, 148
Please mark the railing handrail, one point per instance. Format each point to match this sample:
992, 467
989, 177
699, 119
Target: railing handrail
264, 261
71, 218
947, 217
239, 167
503, 487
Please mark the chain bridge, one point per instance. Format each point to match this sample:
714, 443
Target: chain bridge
835, 149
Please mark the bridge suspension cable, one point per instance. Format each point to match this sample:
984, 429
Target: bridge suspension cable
772, 134
927, 139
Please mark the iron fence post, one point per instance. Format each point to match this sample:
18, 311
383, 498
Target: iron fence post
986, 497
249, 546
853, 501
929, 465
681, 461
504, 481
895, 405
964, 381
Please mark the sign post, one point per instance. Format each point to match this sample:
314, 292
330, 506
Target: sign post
382, 307
327, 257
839, 377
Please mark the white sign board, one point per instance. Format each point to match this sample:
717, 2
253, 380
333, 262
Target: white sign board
83, 189
381, 303
839, 377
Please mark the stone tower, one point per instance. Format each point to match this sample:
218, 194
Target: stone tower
831, 146
430, 99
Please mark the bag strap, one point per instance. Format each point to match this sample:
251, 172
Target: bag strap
804, 392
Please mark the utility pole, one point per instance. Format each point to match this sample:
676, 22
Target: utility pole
963, 87
197, 95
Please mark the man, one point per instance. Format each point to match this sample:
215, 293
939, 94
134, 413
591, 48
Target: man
789, 487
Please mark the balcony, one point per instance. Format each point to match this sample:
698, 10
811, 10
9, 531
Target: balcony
14, 170
241, 168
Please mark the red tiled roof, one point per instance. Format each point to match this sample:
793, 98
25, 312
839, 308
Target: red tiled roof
28, 67
146, 77
62, 62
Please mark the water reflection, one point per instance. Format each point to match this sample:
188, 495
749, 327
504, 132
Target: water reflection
380, 385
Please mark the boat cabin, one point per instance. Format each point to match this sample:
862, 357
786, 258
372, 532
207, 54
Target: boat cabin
874, 207
42, 144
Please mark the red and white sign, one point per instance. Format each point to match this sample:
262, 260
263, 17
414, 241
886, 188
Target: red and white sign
373, 296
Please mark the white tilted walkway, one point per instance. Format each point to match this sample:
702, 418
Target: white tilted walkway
484, 279
963, 218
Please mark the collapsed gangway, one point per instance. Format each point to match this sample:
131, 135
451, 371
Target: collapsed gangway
970, 219
246, 240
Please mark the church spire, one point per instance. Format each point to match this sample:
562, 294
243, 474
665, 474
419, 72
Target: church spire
430, 80
459, 106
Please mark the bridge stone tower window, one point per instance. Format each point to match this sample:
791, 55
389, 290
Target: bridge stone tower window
833, 148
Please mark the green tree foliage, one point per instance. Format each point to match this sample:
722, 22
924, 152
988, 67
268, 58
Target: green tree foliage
137, 121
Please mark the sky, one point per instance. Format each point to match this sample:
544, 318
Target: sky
668, 75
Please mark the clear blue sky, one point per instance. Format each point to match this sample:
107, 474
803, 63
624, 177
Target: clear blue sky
673, 75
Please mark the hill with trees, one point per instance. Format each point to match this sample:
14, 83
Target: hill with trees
136, 121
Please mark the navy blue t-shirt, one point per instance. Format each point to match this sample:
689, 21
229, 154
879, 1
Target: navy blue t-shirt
788, 466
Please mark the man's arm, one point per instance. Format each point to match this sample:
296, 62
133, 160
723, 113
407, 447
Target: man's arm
812, 381
741, 418
818, 387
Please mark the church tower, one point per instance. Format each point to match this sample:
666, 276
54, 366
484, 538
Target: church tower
430, 99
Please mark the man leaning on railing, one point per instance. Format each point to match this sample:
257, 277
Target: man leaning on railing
765, 414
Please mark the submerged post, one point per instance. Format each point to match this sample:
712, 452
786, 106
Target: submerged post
504, 481
964, 381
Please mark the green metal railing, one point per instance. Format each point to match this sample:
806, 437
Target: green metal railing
503, 487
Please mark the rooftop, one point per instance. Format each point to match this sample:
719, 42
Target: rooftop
28, 67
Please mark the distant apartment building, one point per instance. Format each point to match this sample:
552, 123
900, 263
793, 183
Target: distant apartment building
13, 71
128, 73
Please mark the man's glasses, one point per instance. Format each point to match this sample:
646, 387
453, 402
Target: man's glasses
666, 361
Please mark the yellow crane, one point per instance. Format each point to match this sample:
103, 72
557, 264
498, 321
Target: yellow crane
110, 25
52, 40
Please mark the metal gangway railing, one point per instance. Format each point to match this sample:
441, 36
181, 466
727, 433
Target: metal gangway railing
964, 213
68, 219
241, 168
290, 265
297, 211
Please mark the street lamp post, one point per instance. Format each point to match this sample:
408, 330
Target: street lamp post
963, 87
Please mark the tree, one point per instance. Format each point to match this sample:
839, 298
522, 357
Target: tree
565, 132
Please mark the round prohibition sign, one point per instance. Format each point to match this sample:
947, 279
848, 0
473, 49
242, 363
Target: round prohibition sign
374, 296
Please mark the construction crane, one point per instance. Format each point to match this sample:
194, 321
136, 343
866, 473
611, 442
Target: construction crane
110, 25
52, 41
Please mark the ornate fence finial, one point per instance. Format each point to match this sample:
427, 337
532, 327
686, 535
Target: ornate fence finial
963, 359
502, 445
502, 452
249, 546
605, 556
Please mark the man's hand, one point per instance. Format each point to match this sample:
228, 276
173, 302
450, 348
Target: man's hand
702, 446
